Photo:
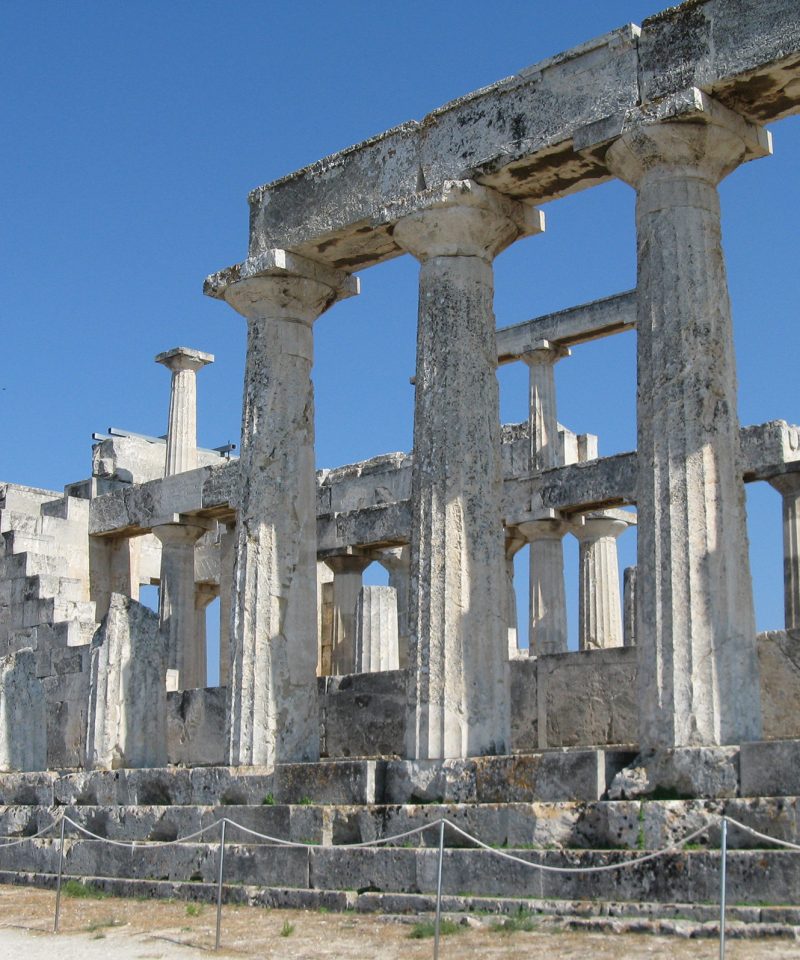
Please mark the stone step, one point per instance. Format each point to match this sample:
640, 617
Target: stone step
21, 565
753, 877
40, 586
18, 541
668, 918
22, 499
627, 825
27, 523
72, 509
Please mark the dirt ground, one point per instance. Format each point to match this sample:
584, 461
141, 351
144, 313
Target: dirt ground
157, 930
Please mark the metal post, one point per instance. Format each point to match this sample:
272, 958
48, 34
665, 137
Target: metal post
60, 872
722, 878
438, 893
219, 882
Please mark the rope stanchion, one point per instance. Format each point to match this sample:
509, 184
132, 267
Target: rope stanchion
60, 874
723, 866
219, 881
438, 923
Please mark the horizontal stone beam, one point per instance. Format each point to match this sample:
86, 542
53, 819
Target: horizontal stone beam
367, 504
517, 135
589, 321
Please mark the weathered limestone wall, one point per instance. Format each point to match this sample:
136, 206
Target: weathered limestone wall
23, 737
196, 727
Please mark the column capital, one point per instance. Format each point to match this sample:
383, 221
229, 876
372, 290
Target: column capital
461, 218
348, 563
278, 284
544, 351
184, 358
178, 531
597, 526
787, 484
690, 130
549, 529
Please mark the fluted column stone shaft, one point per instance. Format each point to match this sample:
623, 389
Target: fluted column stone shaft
347, 571
376, 630
548, 603
514, 542
184, 363
204, 595
397, 561
698, 670
177, 614
272, 685
788, 486
227, 560
458, 688
542, 408
629, 607
599, 607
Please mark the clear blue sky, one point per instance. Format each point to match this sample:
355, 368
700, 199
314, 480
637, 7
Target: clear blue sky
132, 134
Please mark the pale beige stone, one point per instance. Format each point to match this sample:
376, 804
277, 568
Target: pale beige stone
183, 362
347, 571
376, 645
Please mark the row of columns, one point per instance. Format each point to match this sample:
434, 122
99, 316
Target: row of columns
698, 675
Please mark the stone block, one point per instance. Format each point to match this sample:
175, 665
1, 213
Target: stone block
330, 781
779, 667
196, 726
23, 727
363, 714
770, 768
127, 724
680, 773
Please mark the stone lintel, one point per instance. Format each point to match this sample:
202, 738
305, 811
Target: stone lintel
184, 358
578, 324
688, 105
516, 135
281, 263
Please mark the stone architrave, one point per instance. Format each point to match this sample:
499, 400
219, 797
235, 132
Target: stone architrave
599, 607
184, 362
629, 607
458, 684
698, 669
272, 690
397, 562
515, 541
548, 603
347, 571
376, 630
176, 603
788, 485
127, 717
23, 714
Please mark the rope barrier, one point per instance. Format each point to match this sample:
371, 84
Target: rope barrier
763, 836
6, 842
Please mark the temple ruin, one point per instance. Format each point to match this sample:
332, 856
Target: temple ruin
359, 710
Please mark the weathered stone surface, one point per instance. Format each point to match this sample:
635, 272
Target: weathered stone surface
599, 606
183, 363
363, 715
127, 724
196, 727
710, 772
779, 667
347, 571
770, 768
23, 727
330, 781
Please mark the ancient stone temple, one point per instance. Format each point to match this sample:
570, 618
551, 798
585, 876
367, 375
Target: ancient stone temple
364, 702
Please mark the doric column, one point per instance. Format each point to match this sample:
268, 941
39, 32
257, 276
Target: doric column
599, 608
629, 607
698, 670
515, 541
182, 428
788, 485
397, 562
548, 604
176, 602
458, 687
272, 688
227, 559
542, 416
347, 572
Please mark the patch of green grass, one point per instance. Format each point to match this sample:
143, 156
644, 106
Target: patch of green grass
99, 936
194, 909
269, 800
83, 891
305, 801
640, 834
522, 921
287, 929
100, 924
427, 928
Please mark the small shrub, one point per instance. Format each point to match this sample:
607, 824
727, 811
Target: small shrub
269, 800
305, 801
193, 909
83, 891
427, 928
520, 922
287, 929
